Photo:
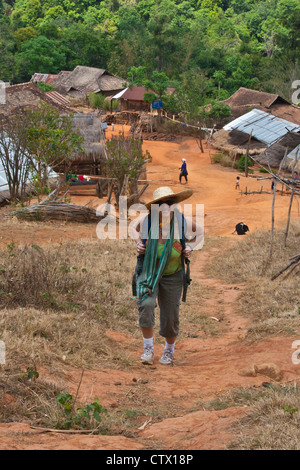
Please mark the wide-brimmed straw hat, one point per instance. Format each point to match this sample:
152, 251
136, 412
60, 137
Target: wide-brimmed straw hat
165, 193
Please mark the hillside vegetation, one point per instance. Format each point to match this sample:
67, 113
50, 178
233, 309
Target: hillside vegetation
208, 48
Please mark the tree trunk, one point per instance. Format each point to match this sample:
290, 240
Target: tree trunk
288, 220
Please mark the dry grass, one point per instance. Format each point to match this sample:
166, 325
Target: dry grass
59, 301
28, 401
57, 304
224, 159
273, 422
272, 305
238, 396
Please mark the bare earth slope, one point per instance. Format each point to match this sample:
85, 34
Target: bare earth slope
205, 365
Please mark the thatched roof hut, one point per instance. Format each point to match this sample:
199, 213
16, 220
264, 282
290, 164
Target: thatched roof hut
265, 129
84, 80
27, 96
90, 161
245, 99
235, 143
248, 97
274, 154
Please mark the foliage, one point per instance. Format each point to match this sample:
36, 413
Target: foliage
45, 86
241, 162
79, 417
222, 158
13, 144
125, 160
231, 43
98, 101
50, 139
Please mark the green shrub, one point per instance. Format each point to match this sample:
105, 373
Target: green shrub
241, 162
45, 87
115, 104
95, 100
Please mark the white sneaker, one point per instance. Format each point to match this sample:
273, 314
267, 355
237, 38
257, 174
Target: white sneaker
147, 356
167, 358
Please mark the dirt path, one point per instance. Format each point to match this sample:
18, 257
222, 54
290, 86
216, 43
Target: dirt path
172, 397
205, 366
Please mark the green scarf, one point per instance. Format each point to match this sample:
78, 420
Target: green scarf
150, 276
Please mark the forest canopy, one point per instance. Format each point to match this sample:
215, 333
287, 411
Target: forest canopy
208, 48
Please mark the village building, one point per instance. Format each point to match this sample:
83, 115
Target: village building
89, 161
271, 138
84, 80
132, 99
48, 78
245, 99
28, 96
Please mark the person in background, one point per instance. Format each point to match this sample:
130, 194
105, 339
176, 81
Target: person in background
272, 184
237, 183
183, 171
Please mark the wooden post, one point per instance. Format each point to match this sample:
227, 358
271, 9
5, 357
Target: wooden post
291, 203
273, 204
247, 155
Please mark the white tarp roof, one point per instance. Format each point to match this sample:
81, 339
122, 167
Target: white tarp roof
119, 95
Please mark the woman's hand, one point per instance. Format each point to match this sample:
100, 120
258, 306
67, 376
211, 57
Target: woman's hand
187, 252
140, 248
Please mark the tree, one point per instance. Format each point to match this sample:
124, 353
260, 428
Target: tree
81, 45
125, 162
39, 55
51, 139
22, 35
13, 142
157, 86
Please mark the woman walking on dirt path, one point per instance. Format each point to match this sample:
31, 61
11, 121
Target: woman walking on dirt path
183, 171
160, 240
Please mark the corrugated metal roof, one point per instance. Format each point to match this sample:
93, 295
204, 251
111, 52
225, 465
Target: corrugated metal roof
265, 127
43, 77
136, 93
58, 98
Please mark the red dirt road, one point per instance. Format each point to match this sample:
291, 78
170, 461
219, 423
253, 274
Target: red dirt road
204, 366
